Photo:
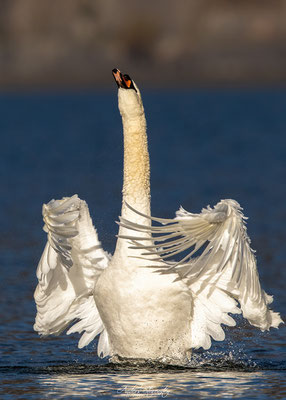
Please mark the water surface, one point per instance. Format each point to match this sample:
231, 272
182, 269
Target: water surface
204, 146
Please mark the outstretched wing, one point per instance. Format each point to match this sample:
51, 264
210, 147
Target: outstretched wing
218, 265
71, 263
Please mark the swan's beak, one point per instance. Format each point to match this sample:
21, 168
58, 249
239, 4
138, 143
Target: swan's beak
123, 81
117, 75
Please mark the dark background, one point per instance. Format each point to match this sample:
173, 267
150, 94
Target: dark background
182, 43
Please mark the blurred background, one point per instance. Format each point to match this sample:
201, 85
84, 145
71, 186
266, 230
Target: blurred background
182, 43
212, 77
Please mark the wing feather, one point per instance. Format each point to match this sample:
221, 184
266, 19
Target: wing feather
224, 272
70, 264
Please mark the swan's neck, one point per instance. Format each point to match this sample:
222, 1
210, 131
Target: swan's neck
136, 180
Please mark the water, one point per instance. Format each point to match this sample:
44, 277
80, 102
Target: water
204, 146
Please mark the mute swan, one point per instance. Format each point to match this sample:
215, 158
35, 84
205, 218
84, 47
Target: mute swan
142, 305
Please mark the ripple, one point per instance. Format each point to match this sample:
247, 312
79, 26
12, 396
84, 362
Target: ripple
147, 367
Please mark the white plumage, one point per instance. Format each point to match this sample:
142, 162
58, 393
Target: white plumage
225, 270
67, 272
140, 302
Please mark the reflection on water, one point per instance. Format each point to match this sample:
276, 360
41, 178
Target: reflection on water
183, 385
112, 381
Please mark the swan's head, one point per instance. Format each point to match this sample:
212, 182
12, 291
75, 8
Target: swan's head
129, 97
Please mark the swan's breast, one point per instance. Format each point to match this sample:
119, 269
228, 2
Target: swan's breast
145, 313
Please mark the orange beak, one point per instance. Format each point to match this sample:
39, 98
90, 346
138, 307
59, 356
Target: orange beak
122, 81
117, 76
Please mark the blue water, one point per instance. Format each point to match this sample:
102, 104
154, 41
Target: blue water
204, 146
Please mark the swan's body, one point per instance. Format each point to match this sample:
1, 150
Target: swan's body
142, 305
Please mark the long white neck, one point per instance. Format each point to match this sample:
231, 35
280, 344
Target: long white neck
136, 180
